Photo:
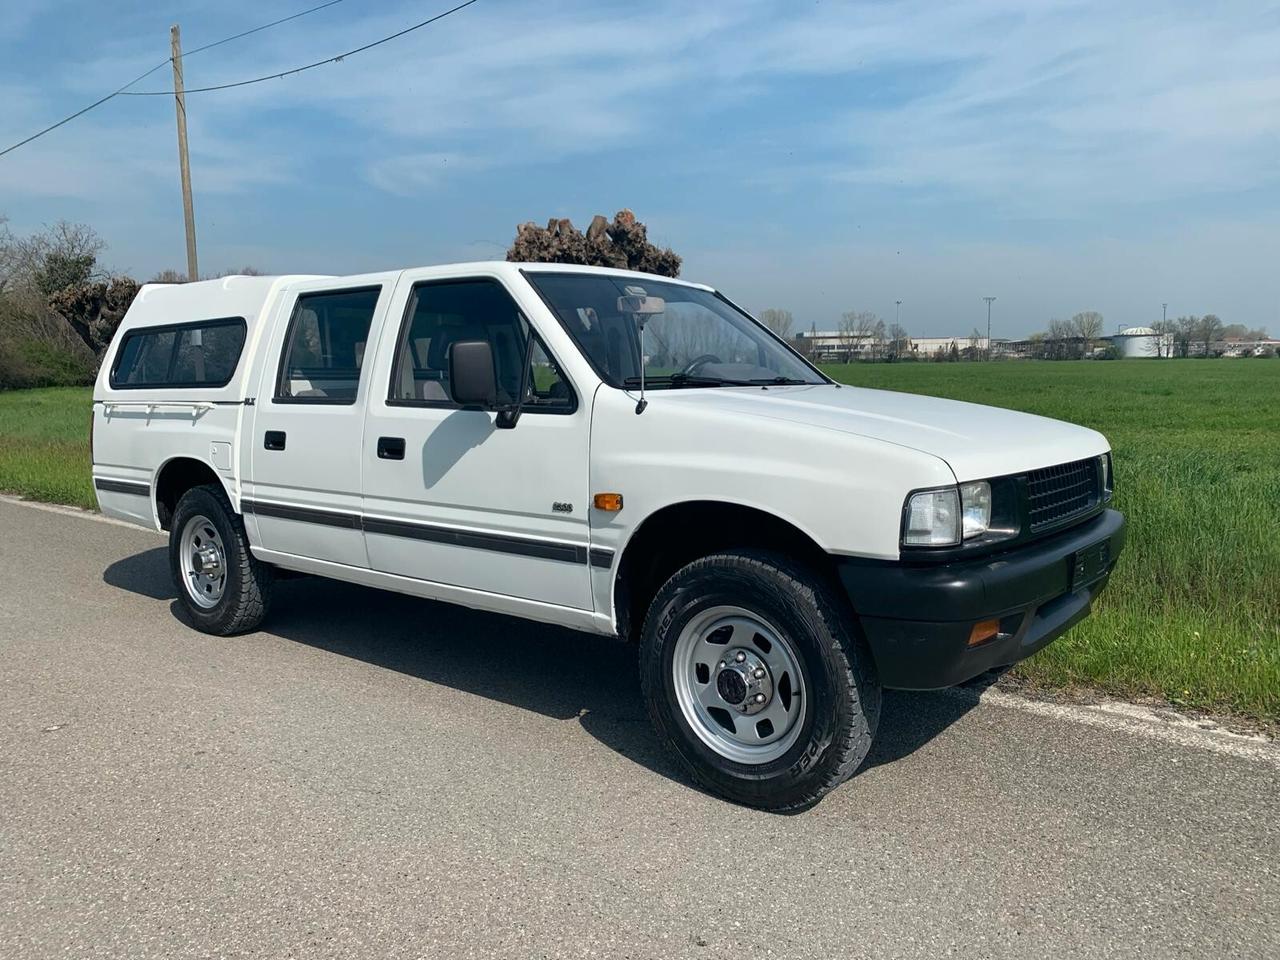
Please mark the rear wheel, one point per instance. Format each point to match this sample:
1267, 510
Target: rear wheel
223, 589
755, 679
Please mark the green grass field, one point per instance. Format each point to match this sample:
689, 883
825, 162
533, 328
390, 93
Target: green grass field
1192, 615
44, 445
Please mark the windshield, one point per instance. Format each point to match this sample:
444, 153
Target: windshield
697, 340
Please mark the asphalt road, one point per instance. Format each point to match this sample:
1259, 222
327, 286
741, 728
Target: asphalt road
378, 776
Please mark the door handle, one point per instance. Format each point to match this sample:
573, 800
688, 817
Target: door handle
391, 448
273, 440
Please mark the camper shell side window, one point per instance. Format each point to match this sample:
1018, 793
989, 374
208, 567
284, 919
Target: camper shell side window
200, 354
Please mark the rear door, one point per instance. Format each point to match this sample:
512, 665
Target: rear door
448, 496
303, 491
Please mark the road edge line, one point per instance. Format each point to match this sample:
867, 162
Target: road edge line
64, 510
1167, 726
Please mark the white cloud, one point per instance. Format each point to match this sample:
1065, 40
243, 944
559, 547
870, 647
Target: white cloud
1038, 110
1045, 104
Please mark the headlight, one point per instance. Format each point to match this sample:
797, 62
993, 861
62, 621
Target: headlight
933, 518
1108, 481
942, 518
975, 505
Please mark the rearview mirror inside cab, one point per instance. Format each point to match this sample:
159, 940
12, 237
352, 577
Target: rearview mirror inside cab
471, 376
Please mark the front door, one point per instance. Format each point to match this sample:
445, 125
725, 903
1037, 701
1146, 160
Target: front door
451, 498
303, 487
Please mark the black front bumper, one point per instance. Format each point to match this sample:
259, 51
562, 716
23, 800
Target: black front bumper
918, 617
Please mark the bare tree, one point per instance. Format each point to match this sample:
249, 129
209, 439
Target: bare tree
1208, 330
859, 332
899, 341
877, 339
1061, 340
36, 265
779, 321
974, 350
848, 332
1238, 331
1166, 331
1087, 325
1185, 331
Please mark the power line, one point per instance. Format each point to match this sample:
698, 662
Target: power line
265, 26
319, 63
162, 63
82, 112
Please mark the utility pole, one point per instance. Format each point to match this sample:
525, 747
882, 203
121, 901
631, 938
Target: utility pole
184, 163
1164, 313
988, 299
897, 307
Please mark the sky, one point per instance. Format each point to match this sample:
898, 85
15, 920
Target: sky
818, 157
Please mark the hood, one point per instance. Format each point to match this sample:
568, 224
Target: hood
976, 441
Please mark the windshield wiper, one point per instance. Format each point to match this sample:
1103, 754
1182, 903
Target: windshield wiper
689, 379
780, 381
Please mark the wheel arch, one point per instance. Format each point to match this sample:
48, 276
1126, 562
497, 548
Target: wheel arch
176, 476
681, 532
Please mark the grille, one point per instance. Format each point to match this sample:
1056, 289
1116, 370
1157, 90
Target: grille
1059, 493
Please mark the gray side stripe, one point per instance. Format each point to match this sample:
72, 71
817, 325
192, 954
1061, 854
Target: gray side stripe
498, 543
123, 486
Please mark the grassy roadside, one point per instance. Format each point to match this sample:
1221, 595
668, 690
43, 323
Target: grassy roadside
1192, 615
44, 445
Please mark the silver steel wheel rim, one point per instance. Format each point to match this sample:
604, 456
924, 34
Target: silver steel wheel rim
727, 652
204, 562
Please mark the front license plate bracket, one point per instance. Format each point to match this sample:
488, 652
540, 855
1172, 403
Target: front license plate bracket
1090, 564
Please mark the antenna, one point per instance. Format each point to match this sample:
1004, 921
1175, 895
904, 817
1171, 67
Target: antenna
642, 402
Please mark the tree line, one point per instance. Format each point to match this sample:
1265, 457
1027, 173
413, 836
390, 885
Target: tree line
59, 305
862, 335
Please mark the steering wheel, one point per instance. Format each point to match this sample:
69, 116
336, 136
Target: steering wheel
692, 367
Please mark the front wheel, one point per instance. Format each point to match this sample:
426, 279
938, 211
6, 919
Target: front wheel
755, 679
223, 589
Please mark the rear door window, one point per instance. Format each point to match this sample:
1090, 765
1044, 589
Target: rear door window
203, 354
324, 348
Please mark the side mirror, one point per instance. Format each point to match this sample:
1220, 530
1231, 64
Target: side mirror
471, 378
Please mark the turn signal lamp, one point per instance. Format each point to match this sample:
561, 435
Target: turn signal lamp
984, 631
609, 502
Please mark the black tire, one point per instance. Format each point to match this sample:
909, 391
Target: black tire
246, 594
844, 698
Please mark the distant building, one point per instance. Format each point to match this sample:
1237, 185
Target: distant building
1238, 347
832, 346
926, 348
1136, 342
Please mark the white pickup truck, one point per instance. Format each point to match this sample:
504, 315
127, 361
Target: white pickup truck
614, 452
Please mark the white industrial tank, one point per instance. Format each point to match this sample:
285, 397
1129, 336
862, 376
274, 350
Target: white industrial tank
1137, 342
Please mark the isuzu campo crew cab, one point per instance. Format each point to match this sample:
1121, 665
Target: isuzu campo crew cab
618, 453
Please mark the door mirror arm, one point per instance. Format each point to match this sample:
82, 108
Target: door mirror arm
509, 416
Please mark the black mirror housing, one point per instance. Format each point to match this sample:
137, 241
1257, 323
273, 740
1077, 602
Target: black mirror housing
472, 381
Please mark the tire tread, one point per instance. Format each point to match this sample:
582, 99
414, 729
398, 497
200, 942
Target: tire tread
249, 580
789, 581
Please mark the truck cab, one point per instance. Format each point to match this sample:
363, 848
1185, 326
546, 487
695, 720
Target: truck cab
614, 452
